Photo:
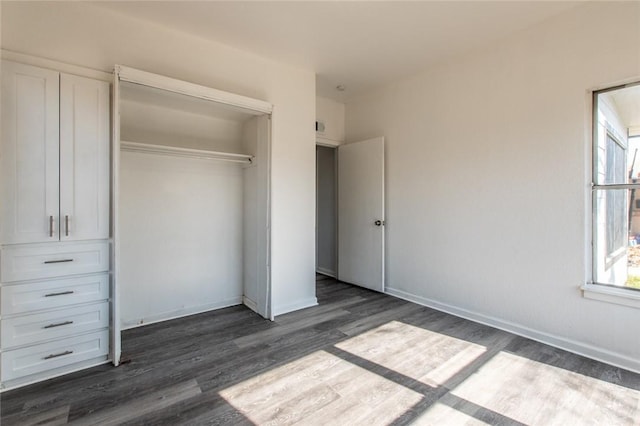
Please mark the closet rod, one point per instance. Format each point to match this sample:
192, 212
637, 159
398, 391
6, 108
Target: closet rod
185, 152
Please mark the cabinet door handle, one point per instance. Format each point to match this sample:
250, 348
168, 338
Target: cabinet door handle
51, 226
62, 293
58, 324
66, 225
46, 262
57, 355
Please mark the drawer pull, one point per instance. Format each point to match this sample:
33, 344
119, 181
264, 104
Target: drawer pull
57, 261
58, 324
57, 355
62, 293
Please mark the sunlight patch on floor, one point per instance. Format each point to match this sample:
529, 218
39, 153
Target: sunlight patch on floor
429, 357
532, 392
317, 388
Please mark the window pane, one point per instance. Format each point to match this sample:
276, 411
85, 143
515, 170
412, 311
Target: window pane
633, 159
616, 238
616, 155
615, 164
616, 220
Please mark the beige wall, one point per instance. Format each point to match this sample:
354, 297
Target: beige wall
81, 34
487, 180
331, 113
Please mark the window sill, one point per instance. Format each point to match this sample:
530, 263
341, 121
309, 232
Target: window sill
619, 296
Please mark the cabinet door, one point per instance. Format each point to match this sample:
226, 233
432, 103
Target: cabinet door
84, 158
29, 154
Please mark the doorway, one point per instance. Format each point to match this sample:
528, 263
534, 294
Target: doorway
350, 212
326, 211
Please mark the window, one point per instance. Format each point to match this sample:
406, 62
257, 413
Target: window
616, 164
616, 201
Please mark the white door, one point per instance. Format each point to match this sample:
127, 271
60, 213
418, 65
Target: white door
361, 213
84, 158
256, 226
115, 351
29, 154
263, 241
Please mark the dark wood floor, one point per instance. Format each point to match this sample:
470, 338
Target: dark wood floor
357, 358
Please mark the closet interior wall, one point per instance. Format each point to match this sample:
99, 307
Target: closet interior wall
192, 229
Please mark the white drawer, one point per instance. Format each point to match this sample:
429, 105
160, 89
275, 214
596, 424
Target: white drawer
36, 359
29, 297
53, 260
36, 328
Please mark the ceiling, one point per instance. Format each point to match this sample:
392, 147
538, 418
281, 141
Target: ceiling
357, 44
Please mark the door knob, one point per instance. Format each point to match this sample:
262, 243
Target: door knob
378, 223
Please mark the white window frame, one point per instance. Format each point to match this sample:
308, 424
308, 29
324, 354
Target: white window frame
593, 290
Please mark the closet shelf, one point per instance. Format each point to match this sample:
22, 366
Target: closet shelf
185, 152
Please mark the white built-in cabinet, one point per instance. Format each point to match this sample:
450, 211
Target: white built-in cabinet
171, 219
54, 223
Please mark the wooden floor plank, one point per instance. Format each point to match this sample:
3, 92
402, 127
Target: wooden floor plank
281, 330
140, 406
297, 407
379, 318
302, 314
53, 417
274, 388
257, 362
209, 407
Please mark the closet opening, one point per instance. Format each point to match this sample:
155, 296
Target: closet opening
191, 201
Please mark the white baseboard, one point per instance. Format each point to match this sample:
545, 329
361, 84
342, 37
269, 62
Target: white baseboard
250, 304
570, 345
179, 313
326, 272
307, 303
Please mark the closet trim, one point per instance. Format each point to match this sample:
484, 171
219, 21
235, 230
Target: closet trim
133, 75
